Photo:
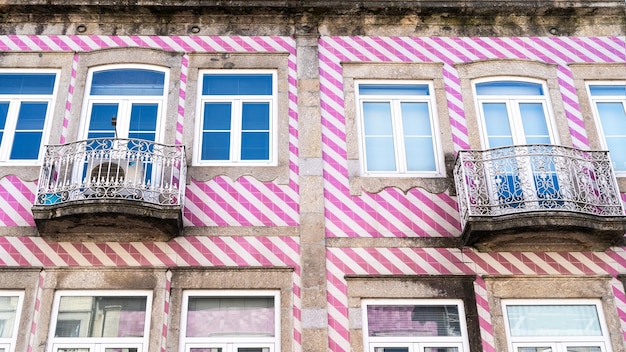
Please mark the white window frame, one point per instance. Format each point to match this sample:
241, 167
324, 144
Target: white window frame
236, 120
125, 102
8, 343
512, 103
398, 140
99, 344
230, 344
415, 343
558, 343
15, 101
609, 99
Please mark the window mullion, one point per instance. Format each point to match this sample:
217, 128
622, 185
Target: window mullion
9, 128
236, 130
398, 135
515, 121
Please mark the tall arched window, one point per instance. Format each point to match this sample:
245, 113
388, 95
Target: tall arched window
125, 102
514, 112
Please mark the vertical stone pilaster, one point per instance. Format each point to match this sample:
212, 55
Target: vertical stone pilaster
312, 235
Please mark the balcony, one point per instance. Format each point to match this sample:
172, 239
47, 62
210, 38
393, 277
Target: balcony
111, 189
538, 198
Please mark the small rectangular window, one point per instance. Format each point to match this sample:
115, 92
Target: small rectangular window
609, 106
240, 321
555, 325
399, 133
101, 321
10, 309
237, 118
414, 326
26, 103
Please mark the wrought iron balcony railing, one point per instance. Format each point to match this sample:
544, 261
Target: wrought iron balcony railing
527, 178
112, 168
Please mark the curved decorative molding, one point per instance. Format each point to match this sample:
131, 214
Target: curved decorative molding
261, 173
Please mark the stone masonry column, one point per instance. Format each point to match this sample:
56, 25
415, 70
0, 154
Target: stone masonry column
312, 236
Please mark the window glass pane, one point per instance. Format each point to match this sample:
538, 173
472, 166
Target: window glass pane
121, 349
255, 116
100, 120
613, 118
230, 316
128, 81
441, 349
413, 320
393, 89
613, 121
255, 146
534, 349
584, 349
509, 88
418, 141
8, 314
27, 83
416, 119
253, 349
377, 118
217, 116
391, 349
381, 154
206, 349
26, 145
534, 123
72, 349
553, 320
237, 84
143, 117
498, 125
4, 111
611, 90
32, 116
216, 146
101, 316
420, 154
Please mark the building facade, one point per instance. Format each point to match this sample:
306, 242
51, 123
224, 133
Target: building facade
381, 176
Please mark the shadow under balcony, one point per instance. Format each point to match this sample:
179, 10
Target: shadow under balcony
111, 189
538, 198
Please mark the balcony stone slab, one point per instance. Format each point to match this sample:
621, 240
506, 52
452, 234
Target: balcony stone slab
107, 220
543, 231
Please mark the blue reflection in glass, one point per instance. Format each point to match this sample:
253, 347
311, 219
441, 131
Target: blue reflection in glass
32, 116
143, 118
4, 111
608, 90
255, 146
217, 116
237, 84
534, 123
613, 120
377, 118
101, 115
498, 126
509, 88
26, 145
393, 89
128, 81
27, 83
216, 146
255, 116
381, 155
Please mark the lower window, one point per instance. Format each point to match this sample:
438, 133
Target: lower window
10, 308
101, 321
414, 326
230, 321
555, 326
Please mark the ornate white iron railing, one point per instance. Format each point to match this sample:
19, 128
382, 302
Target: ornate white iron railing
112, 168
527, 178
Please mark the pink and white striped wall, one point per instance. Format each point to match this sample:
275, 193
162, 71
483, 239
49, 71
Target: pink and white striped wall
391, 213
208, 203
